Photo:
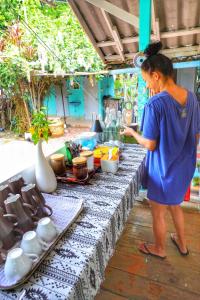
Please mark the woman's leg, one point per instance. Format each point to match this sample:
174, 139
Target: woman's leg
178, 219
159, 229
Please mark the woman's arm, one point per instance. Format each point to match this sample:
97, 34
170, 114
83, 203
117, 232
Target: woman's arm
148, 144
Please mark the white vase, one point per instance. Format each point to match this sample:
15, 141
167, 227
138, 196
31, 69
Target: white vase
45, 177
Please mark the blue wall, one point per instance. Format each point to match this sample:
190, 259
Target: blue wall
75, 97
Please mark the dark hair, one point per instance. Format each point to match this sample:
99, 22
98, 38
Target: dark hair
157, 61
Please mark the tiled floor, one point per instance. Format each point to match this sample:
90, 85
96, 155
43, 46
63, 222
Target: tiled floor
132, 275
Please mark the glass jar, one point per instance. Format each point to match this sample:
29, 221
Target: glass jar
80, 170
58, 163
90, 159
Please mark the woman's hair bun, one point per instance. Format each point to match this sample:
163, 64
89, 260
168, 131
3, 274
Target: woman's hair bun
153, 49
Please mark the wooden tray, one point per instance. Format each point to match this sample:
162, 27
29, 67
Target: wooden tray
65, 211
68, 177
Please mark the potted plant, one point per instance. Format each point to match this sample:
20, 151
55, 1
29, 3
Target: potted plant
40, 131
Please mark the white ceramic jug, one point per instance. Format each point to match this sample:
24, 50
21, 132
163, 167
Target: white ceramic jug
45, 177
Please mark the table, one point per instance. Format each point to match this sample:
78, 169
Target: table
75, 268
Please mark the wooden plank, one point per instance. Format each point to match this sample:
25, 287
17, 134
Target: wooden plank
176, 52
163, 35
144, 233
153, 17
114, 32
130, 247
116, 11
183, 32
155, 21
137, 287
107, 295
165, 272
134, 275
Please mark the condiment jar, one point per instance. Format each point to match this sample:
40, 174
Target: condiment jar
90, 159
80, 170
58, 163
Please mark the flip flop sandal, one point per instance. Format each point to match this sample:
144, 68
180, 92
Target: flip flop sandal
150, 253
177, 246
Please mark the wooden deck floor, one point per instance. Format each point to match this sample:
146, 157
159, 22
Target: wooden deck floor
132, 275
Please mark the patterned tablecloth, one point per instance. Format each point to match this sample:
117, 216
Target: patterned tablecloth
75, 268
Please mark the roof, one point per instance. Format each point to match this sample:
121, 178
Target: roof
112, 27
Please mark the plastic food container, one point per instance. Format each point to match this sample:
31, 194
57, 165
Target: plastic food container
87, 139
110, 166
90, 159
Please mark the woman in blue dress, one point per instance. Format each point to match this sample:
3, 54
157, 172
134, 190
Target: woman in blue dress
170, 130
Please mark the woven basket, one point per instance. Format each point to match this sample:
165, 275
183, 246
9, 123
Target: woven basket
57, 128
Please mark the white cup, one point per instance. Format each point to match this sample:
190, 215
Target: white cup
46, 230
31, 244
17, 264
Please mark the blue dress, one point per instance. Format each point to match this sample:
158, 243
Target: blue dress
170, 167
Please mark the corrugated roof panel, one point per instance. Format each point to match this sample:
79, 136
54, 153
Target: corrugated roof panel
179, 27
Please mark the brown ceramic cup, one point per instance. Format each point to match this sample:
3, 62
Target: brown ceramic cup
4, 193
3, 253
16, 183
8, 233
32, 196
14, 206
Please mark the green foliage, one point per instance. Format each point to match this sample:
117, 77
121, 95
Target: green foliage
68, 49
40, 126
126, 86
10, 72
37, 37
9, 12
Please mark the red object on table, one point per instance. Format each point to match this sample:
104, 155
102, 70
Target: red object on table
187, 195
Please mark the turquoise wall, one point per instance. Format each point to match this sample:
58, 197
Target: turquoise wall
144, 39
75, 97
50, 101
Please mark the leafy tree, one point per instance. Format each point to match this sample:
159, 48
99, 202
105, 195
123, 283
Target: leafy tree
37, 37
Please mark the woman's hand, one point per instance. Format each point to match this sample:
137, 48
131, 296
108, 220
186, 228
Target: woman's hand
127, 131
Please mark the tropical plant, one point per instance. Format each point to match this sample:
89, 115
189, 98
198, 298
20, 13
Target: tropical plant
40, 126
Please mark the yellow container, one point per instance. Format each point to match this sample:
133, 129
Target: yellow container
104, 150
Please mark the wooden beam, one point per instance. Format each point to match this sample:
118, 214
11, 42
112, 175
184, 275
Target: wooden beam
116, 11
86, 28
153, 17
155, 21
176, 52
157, 34
114, 32
40, 73
163, 35
106, 44
182, 51
117, 38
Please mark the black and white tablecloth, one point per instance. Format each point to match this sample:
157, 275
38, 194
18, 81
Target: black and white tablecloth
75, 268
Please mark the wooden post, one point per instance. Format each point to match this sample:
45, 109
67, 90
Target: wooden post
144, 39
